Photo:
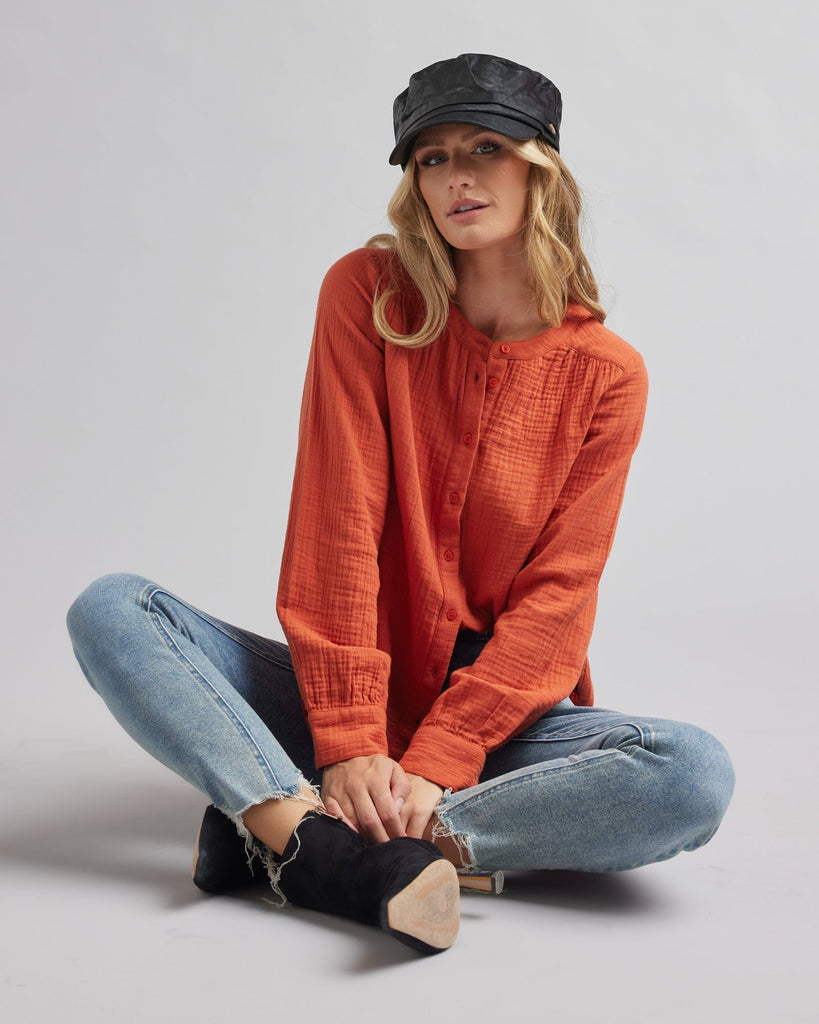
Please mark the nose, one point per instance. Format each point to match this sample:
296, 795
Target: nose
460, 173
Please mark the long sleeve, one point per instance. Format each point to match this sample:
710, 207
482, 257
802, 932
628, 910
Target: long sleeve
329, 582
537, 655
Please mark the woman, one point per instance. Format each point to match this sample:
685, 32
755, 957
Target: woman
466, 432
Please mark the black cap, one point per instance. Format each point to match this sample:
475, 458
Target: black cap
478, 89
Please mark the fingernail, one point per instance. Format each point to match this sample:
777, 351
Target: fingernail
399, 803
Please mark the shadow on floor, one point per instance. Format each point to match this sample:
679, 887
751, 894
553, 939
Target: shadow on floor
128, 832
619, 893
136, 834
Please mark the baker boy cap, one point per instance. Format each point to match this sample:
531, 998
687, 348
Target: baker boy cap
478, 89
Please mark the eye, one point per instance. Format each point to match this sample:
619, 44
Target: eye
486, 147
431, 159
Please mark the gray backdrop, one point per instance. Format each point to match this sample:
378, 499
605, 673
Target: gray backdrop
175, 179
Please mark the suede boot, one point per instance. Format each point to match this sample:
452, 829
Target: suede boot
406, 886
220, 861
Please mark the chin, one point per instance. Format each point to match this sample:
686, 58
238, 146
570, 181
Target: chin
475, 244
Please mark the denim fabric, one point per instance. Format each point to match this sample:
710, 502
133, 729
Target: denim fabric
582, 788
194, 692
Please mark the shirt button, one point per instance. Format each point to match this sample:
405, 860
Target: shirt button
493, 382
449, 555
506, 349
454, 498
467, 439
452, 615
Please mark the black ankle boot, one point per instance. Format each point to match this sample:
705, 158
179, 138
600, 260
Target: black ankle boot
220, 861
404, 885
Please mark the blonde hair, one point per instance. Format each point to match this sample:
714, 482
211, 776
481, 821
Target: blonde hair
557, 268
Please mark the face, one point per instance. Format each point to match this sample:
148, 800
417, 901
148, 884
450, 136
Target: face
474, 186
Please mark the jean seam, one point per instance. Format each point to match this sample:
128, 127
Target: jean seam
225, 708
151, 591
589, 761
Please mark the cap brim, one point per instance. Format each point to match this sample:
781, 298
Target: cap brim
494, 122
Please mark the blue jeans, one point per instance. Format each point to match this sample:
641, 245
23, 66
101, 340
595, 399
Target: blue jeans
583, 788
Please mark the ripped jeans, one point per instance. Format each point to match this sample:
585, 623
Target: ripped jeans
583, 789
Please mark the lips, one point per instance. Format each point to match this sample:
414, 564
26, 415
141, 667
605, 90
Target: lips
461, 206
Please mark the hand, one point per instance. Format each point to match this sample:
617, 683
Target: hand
419, 807
367, 792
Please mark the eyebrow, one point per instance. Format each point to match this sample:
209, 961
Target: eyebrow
439, 141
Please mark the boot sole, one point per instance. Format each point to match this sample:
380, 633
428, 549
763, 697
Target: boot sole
424, 914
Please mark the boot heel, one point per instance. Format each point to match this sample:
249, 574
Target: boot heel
424, 914
482, 883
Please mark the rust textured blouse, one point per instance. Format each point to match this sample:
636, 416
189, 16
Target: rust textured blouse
465, 485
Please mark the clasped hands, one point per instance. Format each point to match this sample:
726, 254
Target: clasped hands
377, 798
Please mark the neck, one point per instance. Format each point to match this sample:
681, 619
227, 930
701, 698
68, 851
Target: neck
493, 293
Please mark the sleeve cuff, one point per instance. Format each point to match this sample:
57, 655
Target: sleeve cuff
443, 757
341, 733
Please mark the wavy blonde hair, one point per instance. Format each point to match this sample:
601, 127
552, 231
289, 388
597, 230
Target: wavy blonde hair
557, 268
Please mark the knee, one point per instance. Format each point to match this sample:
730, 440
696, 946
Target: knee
700, 782
101, 607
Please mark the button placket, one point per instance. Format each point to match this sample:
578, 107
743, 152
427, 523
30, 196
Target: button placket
466, 428
495, 371
449, 540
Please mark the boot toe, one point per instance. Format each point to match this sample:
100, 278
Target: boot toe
220, 861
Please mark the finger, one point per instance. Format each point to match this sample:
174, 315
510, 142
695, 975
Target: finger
333, 807
417, 823
389, 814
342, 805
400, 785
369, 820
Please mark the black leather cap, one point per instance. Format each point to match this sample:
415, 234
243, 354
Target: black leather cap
478, 89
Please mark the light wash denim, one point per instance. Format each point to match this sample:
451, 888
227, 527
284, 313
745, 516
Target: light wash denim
583, 789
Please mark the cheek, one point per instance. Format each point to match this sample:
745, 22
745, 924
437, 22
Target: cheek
522, 204
428, 196
517, 184
423, 190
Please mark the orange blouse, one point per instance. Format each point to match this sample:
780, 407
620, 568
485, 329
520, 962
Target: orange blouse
468, 484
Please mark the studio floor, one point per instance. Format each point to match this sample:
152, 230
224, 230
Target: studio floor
103, 923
